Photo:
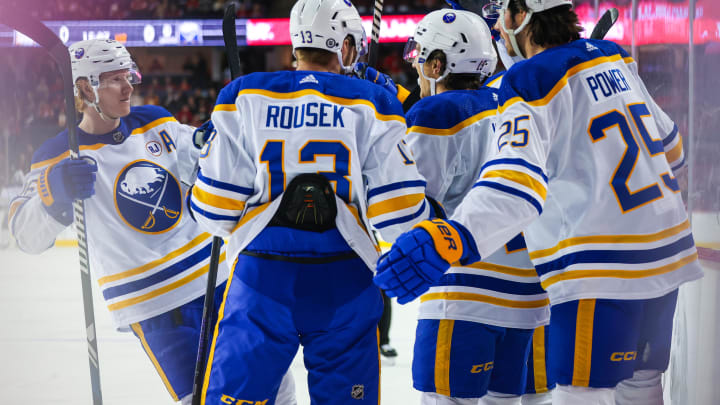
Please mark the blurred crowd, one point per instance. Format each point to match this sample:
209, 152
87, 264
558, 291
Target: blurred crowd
170, 9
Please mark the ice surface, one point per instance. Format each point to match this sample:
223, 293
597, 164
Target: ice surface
43, 350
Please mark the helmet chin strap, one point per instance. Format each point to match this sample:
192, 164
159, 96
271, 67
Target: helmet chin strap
347, 70
511, 33
96, 106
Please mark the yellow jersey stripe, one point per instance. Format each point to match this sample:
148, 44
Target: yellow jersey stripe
337, 100
402, 93
511, 271
562, 82
152, 294
580, 240
138, 331
492, 83
394, 204
442, 356
225, 107
221, 315
455, 129
97, 146
539, 366
676, 152
64, 155
583, 342
521, 178
217, 201
138, 270
354, 212
624, 274
251, 214
465, 296
152, 125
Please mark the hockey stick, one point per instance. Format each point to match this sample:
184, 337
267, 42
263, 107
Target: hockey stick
231, 51
38, 32
605, 23
375, 34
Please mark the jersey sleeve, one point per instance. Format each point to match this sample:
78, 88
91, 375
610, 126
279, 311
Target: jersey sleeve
671, 138
30, 224
512, 187
218, 205
188, 153
395, 189
432, 154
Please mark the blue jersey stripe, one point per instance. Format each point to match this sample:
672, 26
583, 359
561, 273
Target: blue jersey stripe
617, 256
223, 185
159, 277
395, 186
513, 191
490, 283
400, 220
679, 165
668, 139
518, 162
210, 215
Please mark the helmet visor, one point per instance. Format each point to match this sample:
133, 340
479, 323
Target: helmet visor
492, 10
412, 50
131, 75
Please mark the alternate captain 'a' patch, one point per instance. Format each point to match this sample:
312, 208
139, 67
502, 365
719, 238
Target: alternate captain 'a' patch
147, 197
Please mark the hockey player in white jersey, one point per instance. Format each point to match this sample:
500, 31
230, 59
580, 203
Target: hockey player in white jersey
147, 255
476, 323
303, 163
585, 166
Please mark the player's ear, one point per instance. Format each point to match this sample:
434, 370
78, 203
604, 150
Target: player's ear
85, 90
437, 67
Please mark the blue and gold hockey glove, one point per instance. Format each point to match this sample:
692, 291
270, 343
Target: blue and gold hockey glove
59, 185
420, 257
363, 71
202, 133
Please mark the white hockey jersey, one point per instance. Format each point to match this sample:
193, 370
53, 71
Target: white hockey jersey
585, 167
146, 253
451, 137
274, 126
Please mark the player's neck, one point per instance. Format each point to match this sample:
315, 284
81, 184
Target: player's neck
332, 67
529, 47
93, 123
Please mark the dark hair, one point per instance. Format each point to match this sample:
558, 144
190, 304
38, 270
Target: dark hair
552, 27
456, 81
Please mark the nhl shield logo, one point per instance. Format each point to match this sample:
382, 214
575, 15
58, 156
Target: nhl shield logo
358, 391
148, 197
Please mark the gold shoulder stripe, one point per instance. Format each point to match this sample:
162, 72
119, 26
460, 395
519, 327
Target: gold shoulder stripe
337, 100
456, 128
562, 82
152, 125
225, 107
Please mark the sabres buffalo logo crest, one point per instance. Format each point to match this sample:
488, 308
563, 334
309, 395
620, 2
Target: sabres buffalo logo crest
148, 197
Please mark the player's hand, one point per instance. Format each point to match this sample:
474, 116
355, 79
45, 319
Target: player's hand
66, 181
363, 71
420, 257
202, 133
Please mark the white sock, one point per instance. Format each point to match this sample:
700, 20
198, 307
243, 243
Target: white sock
643, 388
571, 395
498, 398
544, 398
286, 392
431, 398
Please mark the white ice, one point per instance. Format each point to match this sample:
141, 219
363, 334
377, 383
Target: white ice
43, 350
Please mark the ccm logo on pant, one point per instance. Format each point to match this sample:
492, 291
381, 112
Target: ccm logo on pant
623, 356
479, 368
227, 399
